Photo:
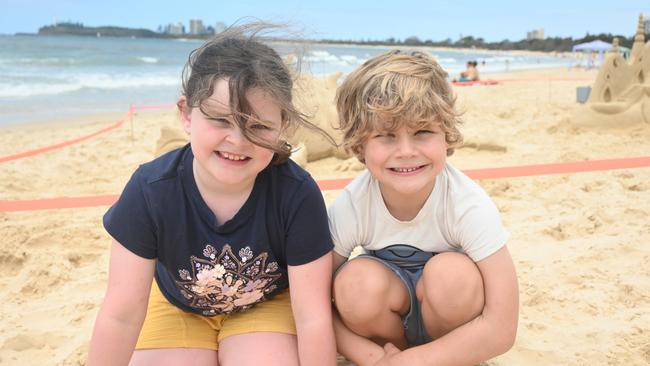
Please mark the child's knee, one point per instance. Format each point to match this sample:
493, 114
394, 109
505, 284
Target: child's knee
451, 283
360, 289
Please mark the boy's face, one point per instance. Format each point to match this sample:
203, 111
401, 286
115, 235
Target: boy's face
224, 158
406, 161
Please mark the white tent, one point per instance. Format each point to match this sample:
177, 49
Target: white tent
594, 46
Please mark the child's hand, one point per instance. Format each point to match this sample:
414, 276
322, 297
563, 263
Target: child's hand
389, 351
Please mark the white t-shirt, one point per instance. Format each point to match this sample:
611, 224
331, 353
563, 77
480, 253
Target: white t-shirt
458, 216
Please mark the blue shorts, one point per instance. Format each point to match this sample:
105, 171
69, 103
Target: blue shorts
407, 263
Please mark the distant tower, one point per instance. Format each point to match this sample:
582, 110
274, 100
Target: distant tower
196, 27
219, 27
177, 29
535, 34
639, 42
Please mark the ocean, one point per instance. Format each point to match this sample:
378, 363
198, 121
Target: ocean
55, 77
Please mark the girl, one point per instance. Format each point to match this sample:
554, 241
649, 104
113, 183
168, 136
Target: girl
224, 225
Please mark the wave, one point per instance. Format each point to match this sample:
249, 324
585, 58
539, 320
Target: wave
93, 81
326, 57
445, 60
148, 60
41, 61
70, 61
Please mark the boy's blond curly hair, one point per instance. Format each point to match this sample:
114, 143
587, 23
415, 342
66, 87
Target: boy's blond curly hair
392, 89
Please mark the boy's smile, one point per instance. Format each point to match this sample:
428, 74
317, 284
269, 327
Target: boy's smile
407, 171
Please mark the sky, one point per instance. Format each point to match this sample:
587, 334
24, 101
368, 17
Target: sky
346, 19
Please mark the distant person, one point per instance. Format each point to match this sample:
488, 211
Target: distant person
470, 73
473, 72
436, 285
209, 237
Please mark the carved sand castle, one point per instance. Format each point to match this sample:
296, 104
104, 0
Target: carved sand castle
620, 96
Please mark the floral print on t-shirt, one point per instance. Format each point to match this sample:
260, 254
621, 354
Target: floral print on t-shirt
225, 282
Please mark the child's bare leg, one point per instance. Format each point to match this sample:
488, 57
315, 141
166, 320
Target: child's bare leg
451, 293
370, 300
259, 348
174, 356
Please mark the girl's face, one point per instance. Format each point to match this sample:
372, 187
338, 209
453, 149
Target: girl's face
224, 159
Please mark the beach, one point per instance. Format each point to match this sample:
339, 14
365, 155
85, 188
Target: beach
580, 240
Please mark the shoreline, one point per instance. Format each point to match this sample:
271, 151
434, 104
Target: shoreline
83, 115
185, 38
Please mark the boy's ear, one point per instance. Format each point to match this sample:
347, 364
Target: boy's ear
359, 154
185, 114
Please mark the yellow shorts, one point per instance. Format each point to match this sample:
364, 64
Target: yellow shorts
167, 326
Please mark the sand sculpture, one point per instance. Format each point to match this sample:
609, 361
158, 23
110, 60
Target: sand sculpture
620, 95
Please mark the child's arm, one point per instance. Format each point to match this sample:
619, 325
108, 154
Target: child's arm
490, 334
360, 350
310, 286
121, 316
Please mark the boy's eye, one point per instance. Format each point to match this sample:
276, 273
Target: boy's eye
424, 132
387, 135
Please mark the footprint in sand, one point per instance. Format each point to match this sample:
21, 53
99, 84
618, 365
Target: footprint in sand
497, 188
12, 263
638, 187
484, 146
624, 175
23, 342
557, 232
596, 186
351, 164
44, 281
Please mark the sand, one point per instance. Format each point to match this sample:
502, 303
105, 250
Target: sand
580, 242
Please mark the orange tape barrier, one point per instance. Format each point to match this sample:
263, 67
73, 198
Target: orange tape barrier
57, 203
495, 82
336, 184
45, 149
475, 82
546, 79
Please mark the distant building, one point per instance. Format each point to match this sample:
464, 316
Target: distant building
535, 34
219, 27
196, 27
177, 29
646, 25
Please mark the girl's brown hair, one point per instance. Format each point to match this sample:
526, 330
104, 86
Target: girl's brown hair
238, 54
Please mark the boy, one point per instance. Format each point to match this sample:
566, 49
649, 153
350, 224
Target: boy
437, 285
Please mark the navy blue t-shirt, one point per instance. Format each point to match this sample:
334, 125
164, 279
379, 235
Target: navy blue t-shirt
210, 269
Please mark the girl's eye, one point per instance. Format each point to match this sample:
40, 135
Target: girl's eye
259, 126
424, 132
